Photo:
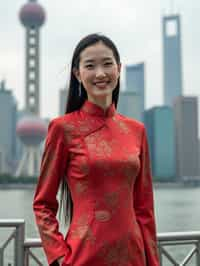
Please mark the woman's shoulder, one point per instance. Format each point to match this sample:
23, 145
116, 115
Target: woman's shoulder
64, 122
132, 122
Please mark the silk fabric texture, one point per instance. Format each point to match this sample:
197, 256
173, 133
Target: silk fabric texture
104, 157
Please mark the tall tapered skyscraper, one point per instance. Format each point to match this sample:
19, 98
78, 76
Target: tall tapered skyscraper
172, 58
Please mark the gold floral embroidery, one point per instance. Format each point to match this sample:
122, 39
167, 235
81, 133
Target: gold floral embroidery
47, 165
83, 164
112, 199
106, 169
122, 126
86, 125
46, 227
153, 247
99, 146
68, 131
83, 219
83, 127
83, 230
104, 148
146, 172
116, 253
81, 187
102, 215
130, 168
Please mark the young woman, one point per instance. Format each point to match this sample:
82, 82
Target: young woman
101, 159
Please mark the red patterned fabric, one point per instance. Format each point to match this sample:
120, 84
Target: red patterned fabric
105, 158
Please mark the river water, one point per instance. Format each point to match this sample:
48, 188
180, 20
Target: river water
176, 209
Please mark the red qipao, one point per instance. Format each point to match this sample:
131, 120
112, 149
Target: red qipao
105, 158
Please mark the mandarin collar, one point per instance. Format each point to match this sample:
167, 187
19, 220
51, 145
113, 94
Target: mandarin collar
94, 109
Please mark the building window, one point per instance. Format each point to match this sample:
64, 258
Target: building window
32, 40
31, 75
32, 88
32, 51
32, 63
32, 101
171, 29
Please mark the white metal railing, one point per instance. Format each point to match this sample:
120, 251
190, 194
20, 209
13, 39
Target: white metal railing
175, 240
179, 240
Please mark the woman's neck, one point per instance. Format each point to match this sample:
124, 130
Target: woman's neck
103, 103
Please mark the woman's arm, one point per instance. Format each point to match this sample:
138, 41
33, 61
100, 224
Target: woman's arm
45, 205
144, 205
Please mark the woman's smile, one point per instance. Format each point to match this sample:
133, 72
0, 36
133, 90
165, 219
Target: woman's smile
101, 84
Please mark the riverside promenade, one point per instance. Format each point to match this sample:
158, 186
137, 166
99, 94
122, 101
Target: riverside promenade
175, 248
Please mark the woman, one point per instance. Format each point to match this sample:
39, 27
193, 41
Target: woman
101, 158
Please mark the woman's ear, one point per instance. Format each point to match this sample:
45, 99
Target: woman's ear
119, 68
76, 74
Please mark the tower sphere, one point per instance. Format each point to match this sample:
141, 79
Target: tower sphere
32, 15
31, 130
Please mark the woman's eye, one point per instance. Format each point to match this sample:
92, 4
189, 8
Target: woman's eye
89, 66
108, 63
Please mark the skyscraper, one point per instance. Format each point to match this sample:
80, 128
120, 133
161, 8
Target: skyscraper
8, 116
135, 83
186, 132
129, 104
159, 122
62, 101
172, 58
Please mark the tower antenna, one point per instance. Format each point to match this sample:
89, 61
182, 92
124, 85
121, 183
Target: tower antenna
172, 7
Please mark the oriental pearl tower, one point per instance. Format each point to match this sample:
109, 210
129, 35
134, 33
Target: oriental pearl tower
31, 129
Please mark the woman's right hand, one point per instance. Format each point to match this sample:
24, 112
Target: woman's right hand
60, 261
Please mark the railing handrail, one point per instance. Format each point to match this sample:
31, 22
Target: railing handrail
185, 235
169, 236
32, 242
23, 245
164, 236
11, 222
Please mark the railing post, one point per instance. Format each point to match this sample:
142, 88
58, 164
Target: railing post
198, 253
26, 257
19, 245
1, 256
160, 253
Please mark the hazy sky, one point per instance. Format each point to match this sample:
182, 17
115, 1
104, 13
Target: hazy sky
135, 27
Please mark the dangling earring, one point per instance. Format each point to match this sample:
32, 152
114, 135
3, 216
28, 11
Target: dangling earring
79, 89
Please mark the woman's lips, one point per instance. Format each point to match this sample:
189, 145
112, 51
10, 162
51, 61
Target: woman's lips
101, 84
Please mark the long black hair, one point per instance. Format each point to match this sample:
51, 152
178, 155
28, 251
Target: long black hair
74, 102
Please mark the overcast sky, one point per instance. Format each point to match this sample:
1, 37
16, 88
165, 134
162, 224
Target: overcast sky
135, 27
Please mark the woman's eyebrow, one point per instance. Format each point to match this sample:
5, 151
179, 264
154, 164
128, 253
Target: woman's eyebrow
107, 58
88, 61
92, 60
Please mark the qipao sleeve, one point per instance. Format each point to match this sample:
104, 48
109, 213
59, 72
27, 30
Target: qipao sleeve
144, 205
45, 204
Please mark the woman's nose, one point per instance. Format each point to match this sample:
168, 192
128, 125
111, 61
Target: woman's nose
100, 72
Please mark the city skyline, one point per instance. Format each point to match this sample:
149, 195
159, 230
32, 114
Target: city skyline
141, 42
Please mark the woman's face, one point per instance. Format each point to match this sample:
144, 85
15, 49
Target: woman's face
98, 71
